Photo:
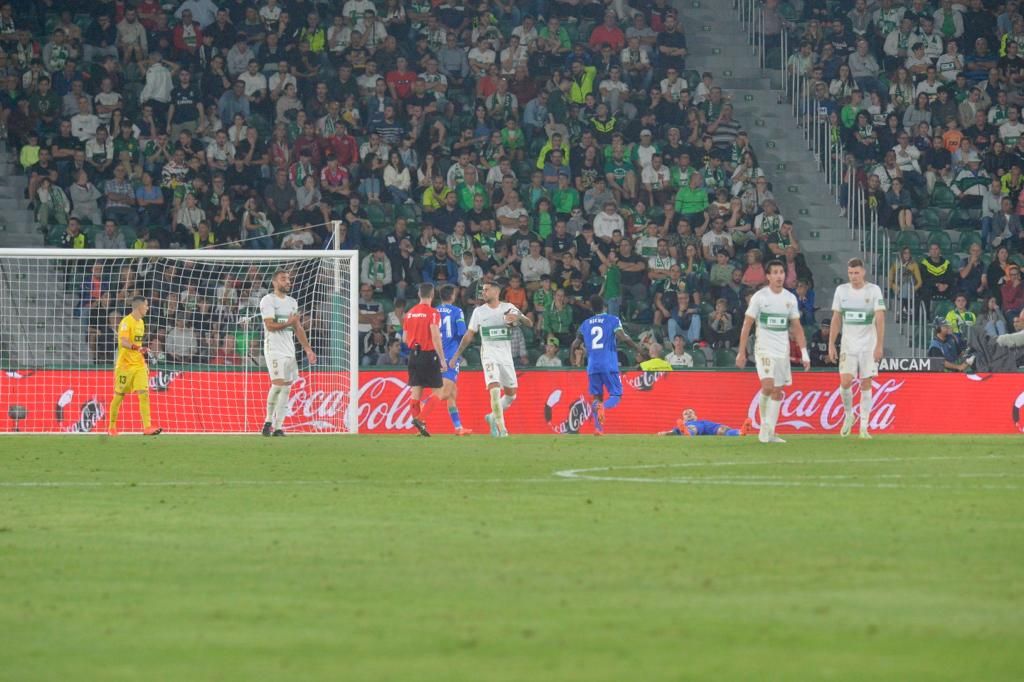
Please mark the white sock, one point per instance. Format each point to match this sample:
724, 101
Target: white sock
496, 409
847, 395
506, 401
763, 403
865, 408
282, 407
272, 401
773, 414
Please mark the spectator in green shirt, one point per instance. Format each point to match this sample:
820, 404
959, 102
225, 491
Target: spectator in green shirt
611, 287
469, 188
565, 198
692, 200
558, 318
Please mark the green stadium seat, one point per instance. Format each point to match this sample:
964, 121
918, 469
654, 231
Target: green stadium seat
908, 238
929, 219
699, 359
968, 238
964, 219
725, 357
941, 238
943, 197
940, 308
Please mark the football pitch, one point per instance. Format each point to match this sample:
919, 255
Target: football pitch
521, 559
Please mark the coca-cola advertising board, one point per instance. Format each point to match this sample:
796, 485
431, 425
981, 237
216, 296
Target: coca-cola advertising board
549, 402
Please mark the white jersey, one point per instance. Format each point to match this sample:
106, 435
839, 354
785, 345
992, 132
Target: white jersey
773, 314
273, 307
857, 308
495, 335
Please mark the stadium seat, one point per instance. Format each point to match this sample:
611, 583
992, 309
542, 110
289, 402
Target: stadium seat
929, 219
699, 359
942, 239
940, 308
968, 238
725, 357
964, 218
943, 197
908, 238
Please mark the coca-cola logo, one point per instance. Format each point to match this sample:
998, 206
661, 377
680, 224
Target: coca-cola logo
384, 403
88, 416
579, 412
800, 409
645, 380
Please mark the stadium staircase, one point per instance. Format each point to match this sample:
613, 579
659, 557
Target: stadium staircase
17, 224
718, 42
27, 336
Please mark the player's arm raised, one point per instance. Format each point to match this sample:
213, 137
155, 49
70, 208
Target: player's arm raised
741, 353
833, 334
300, 334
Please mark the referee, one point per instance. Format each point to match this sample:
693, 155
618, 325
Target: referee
422, 334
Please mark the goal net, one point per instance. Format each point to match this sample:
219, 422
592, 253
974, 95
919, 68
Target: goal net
59, 313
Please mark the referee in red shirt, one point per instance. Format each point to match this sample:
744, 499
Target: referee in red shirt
422, 334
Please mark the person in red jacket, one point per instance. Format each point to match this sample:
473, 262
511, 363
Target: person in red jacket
608, 33
186, 37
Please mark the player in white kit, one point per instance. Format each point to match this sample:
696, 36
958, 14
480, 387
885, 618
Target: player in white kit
776, 313
860, 307
281, 324
494, 321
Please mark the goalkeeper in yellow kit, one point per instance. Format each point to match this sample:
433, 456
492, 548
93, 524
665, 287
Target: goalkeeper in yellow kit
130, 373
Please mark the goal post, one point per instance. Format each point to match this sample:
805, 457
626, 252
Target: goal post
59, 311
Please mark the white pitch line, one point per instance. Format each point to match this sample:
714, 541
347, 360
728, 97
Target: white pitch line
800, 480
280, 483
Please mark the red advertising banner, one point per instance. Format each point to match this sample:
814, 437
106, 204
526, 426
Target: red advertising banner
75, 401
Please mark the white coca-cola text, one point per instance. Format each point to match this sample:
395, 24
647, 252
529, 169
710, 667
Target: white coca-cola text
800, 409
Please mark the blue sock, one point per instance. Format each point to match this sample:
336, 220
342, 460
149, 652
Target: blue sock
612, 401
676, 432
732, 432
453, 412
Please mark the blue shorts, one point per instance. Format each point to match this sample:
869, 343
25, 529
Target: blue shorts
451, 374
599, 381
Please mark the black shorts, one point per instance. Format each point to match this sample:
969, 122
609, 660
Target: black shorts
424, 369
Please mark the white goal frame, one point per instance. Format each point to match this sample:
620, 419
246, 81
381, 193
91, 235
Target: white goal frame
337, 256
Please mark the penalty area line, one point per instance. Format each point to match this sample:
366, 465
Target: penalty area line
268, 483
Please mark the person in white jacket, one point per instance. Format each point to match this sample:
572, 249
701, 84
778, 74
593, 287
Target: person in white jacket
159, 80
607, 221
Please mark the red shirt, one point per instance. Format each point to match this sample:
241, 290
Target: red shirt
402, 80
417, 325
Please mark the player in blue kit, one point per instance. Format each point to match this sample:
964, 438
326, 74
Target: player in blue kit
599, 334
453, 328
689, 425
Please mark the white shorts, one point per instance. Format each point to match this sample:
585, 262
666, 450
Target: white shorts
859, 365
501, 373
282, 367
778, 370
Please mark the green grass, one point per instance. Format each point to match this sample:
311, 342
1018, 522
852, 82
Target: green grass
362, 558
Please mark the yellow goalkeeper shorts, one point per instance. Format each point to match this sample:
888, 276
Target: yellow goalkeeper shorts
131, 379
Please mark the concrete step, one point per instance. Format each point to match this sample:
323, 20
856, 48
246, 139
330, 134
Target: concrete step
11, 240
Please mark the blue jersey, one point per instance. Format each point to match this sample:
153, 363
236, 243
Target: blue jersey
453, 328
598, 334
700, 427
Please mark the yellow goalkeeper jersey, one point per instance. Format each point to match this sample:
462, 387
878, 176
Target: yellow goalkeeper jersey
133, 330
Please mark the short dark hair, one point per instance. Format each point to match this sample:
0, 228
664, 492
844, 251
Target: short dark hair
447, 293
774, 262
597, 303
426, 290
136, 300
278, 273
855, 263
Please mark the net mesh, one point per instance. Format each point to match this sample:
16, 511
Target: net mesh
207, 374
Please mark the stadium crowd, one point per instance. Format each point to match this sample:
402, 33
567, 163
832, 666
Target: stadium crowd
566, 146
925, 98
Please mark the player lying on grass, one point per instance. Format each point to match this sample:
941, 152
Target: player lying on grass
689, 425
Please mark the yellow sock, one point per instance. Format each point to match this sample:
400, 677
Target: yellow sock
144, 409
115, 407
